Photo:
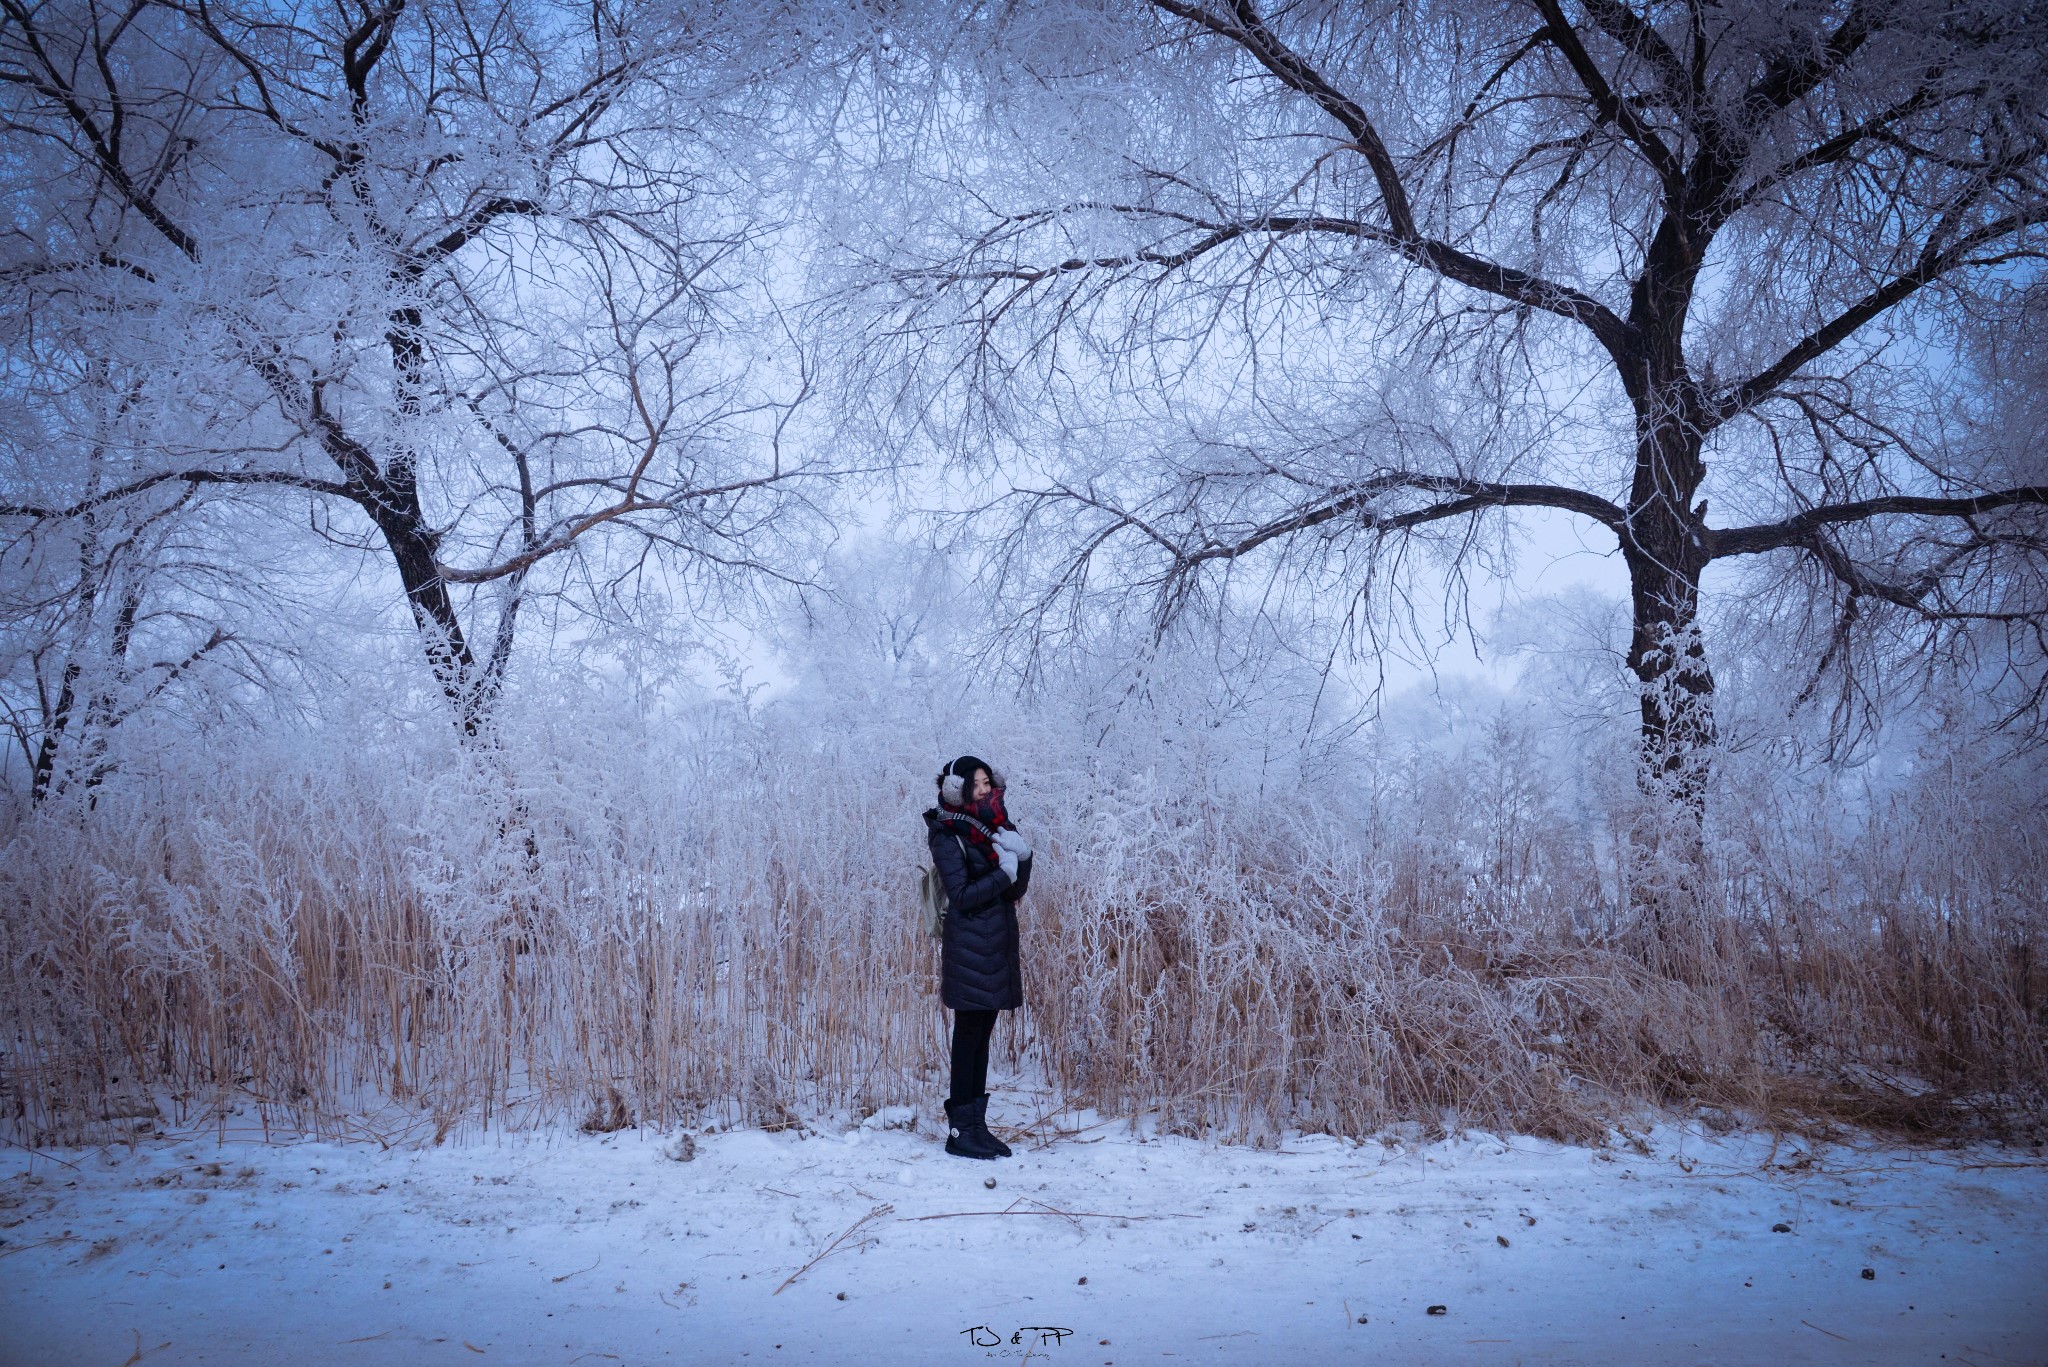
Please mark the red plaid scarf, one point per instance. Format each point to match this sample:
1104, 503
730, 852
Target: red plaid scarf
977, 821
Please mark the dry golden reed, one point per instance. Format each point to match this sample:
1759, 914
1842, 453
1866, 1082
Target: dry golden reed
652, 934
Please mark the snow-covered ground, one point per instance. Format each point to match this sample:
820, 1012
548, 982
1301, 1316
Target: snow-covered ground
1101, 1246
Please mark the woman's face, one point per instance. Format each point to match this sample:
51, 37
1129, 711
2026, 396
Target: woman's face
981, 786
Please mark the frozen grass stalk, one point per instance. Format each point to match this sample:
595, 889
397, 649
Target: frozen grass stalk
396, 939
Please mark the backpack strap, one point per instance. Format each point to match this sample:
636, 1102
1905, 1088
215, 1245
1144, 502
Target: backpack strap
964, 819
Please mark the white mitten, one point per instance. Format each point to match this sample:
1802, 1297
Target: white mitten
1014, 842
1008, 859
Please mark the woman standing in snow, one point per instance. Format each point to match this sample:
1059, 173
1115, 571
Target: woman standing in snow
984, 865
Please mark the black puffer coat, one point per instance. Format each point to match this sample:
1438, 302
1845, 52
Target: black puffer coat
979, 966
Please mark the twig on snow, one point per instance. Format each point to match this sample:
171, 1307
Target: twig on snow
40, 1243
833, 1247
1069, 1214
137, 1355
50, 1156
1054, 1209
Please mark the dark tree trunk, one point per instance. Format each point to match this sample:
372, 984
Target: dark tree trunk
1670, 664
402, 520
1665, 545
1665, 549
399, 519
389, 493
54, 726
102, 712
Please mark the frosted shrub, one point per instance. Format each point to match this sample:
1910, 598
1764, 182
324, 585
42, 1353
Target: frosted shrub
712, 918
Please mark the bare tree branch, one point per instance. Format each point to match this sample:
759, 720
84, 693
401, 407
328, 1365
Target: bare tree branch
283, 478
1248, 30
1613, 109
1935, 262
1470, 496
1798, 529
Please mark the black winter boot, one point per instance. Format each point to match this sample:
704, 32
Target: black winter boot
1002, 1149
968, 1135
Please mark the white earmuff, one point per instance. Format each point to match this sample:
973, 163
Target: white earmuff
953, 790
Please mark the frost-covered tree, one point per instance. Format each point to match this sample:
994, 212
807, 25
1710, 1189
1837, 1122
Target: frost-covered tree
1298, 292
113, 614
136, 612
462, 284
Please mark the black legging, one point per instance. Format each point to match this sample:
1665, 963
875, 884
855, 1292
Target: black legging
971, 1031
